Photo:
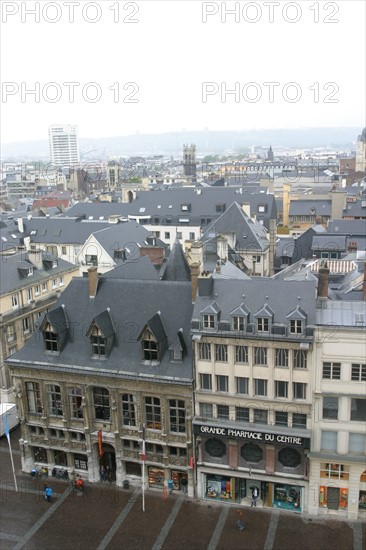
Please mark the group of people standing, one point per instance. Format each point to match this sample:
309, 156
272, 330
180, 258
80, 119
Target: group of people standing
105, 474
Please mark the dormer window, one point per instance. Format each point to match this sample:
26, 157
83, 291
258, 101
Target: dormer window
238, 323
264, 319
263, 324
150, 348
54, 328
208, 321
178, 349
30, 271
297, 319
239, 318
296, 326
102, 334
98, 343
51, 341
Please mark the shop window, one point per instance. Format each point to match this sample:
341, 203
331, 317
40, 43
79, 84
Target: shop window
222, 383
330, 408
260, 387
281, 388
223, 412
206, 381
221, 352
204, 351
331, 371
358, 410
260, 356
362, 500
299, 420
328, 441
40, 454
102, 406
60, 458
128, 410
153, 413
75, 403
358, 373
81, 462
242, 414
287, 497
215, 447
33, 397
333, 471
242, 385
156, 477
299, 390
206, 410
281, 357
289, 457
260, 416
300, 359
281, 418
252, 453
241, 354
177, 415
133, 469
55, 407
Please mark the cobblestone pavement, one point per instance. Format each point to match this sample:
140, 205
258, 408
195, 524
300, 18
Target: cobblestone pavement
109, 518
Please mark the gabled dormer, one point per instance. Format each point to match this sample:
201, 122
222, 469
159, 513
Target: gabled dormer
178, 349
50, 260
25, 268
239, 318
297, 321
55, 330
153, 339
264, 319
210, 316
102, 335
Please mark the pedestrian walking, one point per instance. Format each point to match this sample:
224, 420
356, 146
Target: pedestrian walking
254, 497
47, 493
184, 483
103, 475
239, 520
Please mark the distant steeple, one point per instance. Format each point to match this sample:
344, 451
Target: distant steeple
270, 155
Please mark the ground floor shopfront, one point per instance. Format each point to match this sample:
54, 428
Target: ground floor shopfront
231, 463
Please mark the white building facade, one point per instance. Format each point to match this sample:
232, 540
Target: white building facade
63, 141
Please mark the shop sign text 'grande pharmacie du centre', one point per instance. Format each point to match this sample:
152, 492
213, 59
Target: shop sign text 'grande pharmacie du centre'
251, 435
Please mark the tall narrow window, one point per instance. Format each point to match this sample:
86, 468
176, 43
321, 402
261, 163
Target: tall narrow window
55, 407
102, 404
260, 387
241, 354
281, 388
260, 356
281, 357
98, 343
33, 397
74, 397
205, 381
150, 348
153, 413
300, 359
204, 351
177, 415
128, 410
51, 341
222, 383
299, 390
221, 352
242, 385
238, 323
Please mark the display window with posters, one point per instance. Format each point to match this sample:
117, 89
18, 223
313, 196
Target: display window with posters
219, 488
156, 478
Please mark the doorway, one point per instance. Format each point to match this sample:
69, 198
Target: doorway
108, 462
333, 498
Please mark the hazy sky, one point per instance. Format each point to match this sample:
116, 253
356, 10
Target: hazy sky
288, 64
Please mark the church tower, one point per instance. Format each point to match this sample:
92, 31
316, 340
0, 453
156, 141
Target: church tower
189, 161
361, 152
270, 155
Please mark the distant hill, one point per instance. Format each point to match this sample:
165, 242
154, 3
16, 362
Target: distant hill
206, 142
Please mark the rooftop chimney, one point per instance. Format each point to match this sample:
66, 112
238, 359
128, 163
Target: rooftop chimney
21, 225
93, 281
205, 283
323, 281
35, 256
195, 271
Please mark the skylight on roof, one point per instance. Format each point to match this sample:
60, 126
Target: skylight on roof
142, 209
170, 206
14, 236
4, 239
90, 217
101, 217
34, 232
159, 206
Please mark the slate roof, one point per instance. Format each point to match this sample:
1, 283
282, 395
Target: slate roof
329, 242
347, 227
132, 305
12, 279
129, 235
168, 203
59, 230
281, 297
250, 234
177, 268
342, 313
139, 268
355, 209
305, 207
